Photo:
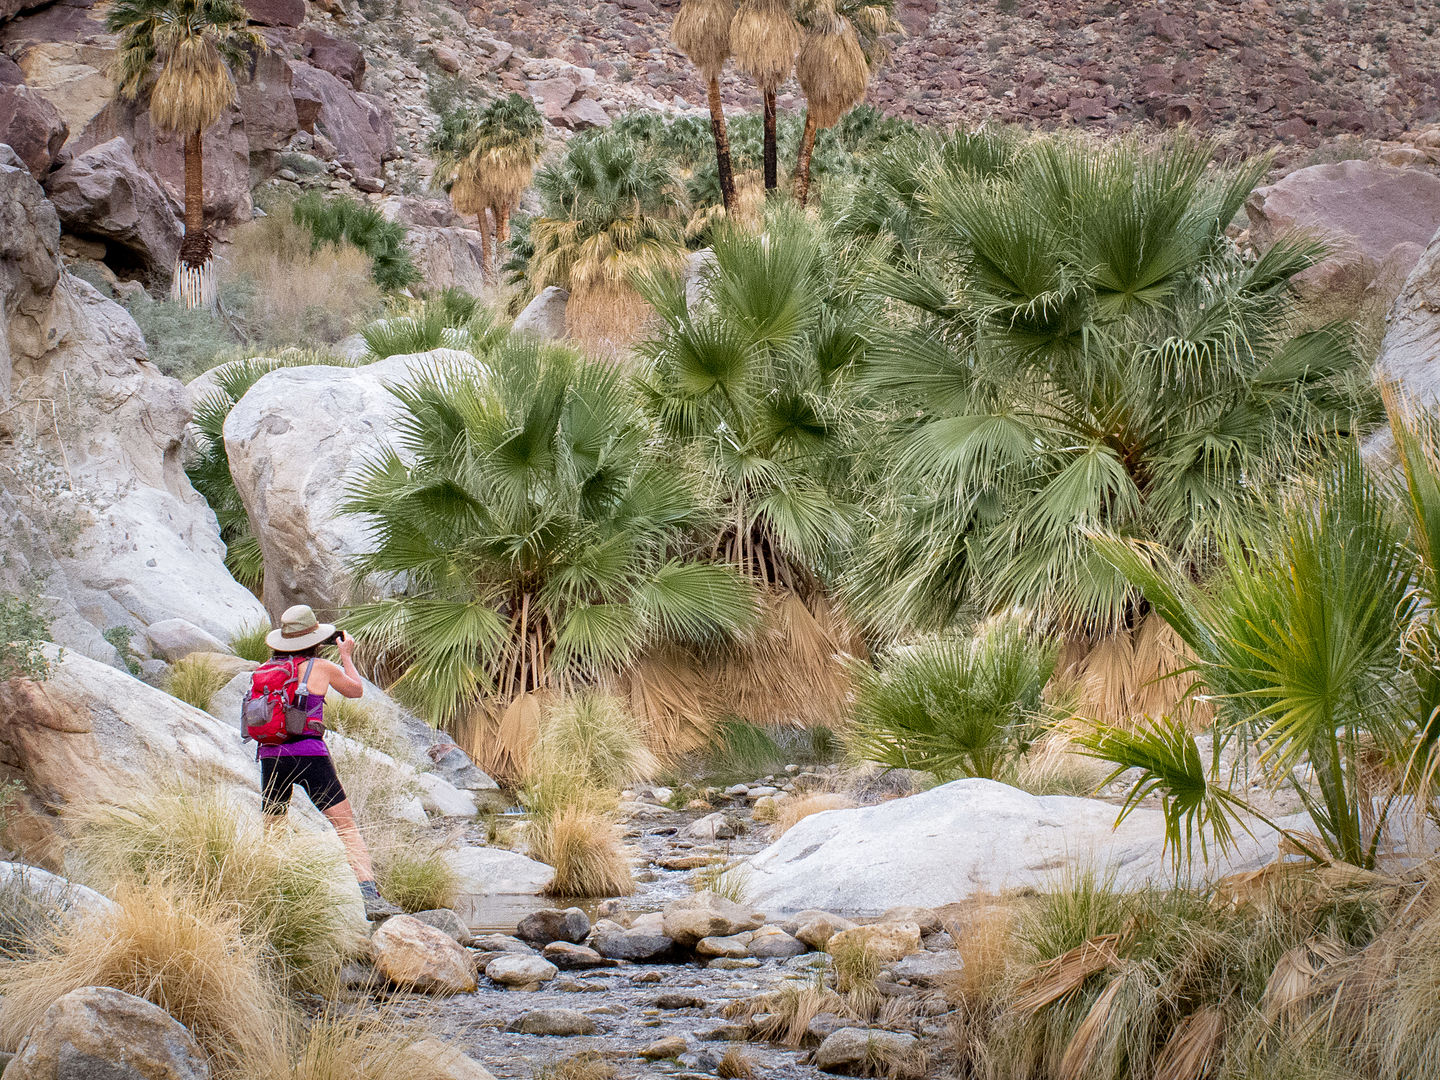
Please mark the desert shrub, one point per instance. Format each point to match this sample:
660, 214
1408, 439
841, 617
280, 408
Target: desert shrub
416, 875
190, 959
953, 707
195, 679
338, 220
121, 639
797, 808
784, 1015
23, 632
593, 736
289, 290
579, 841
180, 341
283, 889
248, 643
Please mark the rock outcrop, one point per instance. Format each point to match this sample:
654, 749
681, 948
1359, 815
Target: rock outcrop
1410, 351
1376, 219
544, 316
32, 127
98, 1032
292, 441
414, 956
964, 838
103, 521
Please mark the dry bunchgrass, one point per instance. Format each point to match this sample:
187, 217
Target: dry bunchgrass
195, 680
353, 1046
889, 1062
728, 880
735, 1064
592, 736
285, 889
1053, 767
190, 959
982, 937
358, 721
412, 872
296, 295
797, 808
580, 842
855, 964
380, 791
586, 1065
787, 1012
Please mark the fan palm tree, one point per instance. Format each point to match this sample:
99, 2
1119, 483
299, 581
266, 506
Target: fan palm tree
702, 32
610, 209
764, 37
538, 531
178, 54
1089, 352
486, 159
842, 46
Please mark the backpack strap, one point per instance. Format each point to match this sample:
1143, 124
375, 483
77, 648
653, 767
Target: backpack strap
303, 681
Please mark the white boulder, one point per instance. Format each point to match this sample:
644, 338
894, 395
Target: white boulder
544, 316
964, 838
1410, 351
487, 871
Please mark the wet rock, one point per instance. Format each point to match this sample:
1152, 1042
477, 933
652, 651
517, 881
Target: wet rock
711, 827
885, 942
825, 1024
551, 924
734, 963
707, 914
96, 1032
771, 943
561, 1022
501, 943
816, 928
571, 957
677, 1000
672, 1046
418, 957
640, 943
516, 972
855, 1052
734, 947
447, 922
928, 969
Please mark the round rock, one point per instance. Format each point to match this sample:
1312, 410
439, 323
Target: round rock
519, 972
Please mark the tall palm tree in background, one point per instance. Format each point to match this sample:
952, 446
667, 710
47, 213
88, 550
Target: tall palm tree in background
179, 54
764, 37
843, 45
1113, 364
702, 32
486, 159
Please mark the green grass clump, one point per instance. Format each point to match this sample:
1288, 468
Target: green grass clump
742, 751
416, 877
339, 219
195, 679
248, 643
728, 880
592, 736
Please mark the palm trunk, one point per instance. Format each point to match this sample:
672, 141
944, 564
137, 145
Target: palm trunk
502, 215
802, 163
194, 279
483, 220
771, 164
722, 145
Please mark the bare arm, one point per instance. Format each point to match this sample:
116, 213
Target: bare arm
345, 679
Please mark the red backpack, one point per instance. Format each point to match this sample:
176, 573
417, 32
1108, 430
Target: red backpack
272, 713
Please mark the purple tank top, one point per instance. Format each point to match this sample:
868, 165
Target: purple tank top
310, 746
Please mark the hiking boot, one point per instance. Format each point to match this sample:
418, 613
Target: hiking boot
377, 908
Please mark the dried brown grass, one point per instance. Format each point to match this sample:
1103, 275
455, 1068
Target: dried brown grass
735, 1064
787, 1012
797, 808
1133, 674
982, 937
580, 842
586, 1065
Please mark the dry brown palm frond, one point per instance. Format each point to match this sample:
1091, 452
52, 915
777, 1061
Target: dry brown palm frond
605, 321
498, 739
1132, 674
832, 71
666, 689
1090, 1032
764, 39
1194, 1047
193, 88
503, 173
1065, 974
1295, 978
702, 32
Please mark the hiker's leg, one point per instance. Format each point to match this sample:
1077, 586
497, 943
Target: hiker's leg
342, 816
276, 784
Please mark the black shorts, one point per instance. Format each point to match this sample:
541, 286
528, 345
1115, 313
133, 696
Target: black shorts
315, 773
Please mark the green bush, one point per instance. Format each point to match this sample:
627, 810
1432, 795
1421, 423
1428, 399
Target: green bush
195, 680
338, 219
182, 343
248, 643
121, 639
22, 631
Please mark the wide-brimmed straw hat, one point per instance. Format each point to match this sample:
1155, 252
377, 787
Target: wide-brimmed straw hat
299, 629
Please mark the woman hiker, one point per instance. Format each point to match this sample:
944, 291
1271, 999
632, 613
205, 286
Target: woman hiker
303, 759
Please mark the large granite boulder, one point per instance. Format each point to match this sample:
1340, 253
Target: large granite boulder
292, 441
1410, 352
103, 194
267, 104
53, 893
487, 871
544, 316
101, 518
414, 956
32, 127
341, 57
965, 838
1377, 219
357, 125
98, 1033
92, 734
65, 55
447, 258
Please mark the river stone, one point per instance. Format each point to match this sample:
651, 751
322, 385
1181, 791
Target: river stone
736, 946
637, 944
928, 919
973, 837
853, 1051
928, 968
517, 972
447, 922
672, 1046
706, 914
552, 924
568, 956
418, 957
816, 928
884, 942
711, 827
771, 943
501, 943
562, 1022
677, 1000
97, 1033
